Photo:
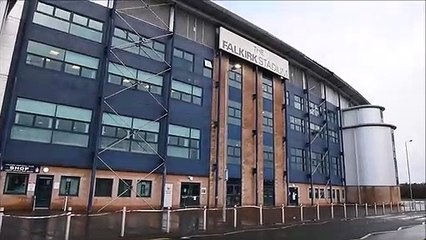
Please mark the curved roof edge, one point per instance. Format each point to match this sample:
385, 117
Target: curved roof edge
371, 125
363, 106
246, 29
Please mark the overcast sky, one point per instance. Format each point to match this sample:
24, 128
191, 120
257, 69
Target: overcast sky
377, 47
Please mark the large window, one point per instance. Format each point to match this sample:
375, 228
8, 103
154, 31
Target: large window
16, 184
267, 88
268, 156
334, 138
234, 78
297, 124
183, 142
234, 151
183, 59
298, 102
268, 122
316, 129
57, 59
103, 187
51, 123
208, 68
335, 166
123, 133
69, 186
143, 188
66, 21
332, 117
234, 113
131, 42
317, 162
134, 78
186, 92
124, 188
314, 109
297, 159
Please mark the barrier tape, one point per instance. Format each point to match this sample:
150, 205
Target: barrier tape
36, 217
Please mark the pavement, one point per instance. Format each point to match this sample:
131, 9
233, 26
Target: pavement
406, 226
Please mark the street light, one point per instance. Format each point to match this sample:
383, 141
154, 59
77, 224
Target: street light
408, 169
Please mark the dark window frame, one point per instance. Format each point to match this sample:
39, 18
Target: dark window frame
6, 192
78, 186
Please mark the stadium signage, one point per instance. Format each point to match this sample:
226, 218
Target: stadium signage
245, 49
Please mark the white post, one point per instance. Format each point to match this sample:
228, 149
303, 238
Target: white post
383, 208
205, 218
345, 214
261, 215
168, 220
318, 212
366, 209
356, 210
68, 224
235, 216
391, 207
375, 209
282, 214
34, 201
123, 221
403, 206
66, 203
301, 212
1, 216
332, 211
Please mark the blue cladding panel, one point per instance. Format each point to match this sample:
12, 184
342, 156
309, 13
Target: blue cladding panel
234, 170
235, 94
268, 173
47, 154
234, 131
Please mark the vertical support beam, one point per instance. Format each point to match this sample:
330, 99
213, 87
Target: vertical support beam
342, 150
259, 135
308, 127
328, 139
98, 111
278, 133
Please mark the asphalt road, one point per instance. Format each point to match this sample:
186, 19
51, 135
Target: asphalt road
391, 226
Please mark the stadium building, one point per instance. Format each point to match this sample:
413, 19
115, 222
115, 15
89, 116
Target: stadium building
151, 104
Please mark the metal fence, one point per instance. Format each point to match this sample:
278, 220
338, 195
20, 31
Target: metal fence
179, 222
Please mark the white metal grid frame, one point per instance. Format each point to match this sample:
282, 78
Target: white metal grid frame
118, 117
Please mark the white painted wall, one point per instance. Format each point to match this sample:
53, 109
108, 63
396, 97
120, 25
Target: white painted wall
7, 44
369, 159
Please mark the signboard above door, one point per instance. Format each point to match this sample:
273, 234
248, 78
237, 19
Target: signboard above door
20, 168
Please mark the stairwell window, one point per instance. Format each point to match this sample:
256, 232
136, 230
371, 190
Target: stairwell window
186, 92
183, 142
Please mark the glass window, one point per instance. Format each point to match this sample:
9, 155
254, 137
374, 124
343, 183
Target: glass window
267, 88
297, 124
186, 92
234, 113
298, 102
183, 60
131, 42
16, 183
268, 123
59, 19
234, 78
103, 187
51, 123
54, 58
183, 142
124, 188
208, 68
234, 151
143, 188
69, 186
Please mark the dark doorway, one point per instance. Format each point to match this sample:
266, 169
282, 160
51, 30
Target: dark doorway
233, 192
293, 196
43, 191
189, 194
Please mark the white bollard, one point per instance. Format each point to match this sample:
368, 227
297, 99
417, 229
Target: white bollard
332, 211
403, 207
301, 212
168, 220
375, 208
68, 224
383, 208
282, 214
356, 210
123, 221
235, 216
345, 214
1, 216
318, 212
366, 209
205, 218
66, 203
261, 215
391, 208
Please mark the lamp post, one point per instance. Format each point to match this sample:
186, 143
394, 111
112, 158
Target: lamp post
408, 170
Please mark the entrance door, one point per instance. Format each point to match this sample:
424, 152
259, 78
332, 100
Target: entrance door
43, 191
190, 194
293, 194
